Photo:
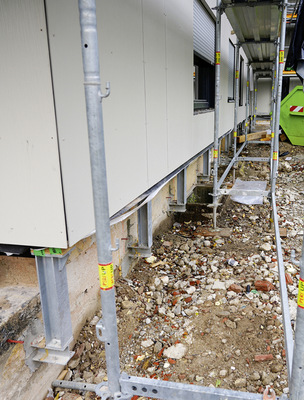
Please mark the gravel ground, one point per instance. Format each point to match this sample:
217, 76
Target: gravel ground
205, 308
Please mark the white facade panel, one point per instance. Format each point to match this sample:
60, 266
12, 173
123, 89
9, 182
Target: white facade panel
155, 71
146, 52
179, 42
32, 210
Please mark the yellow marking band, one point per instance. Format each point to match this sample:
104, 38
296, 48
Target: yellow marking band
281, 57
275, 155
247, 83
237, 74
234, 134
255, 90
215, 153
301, 293
218, 58
106, 276
272, 134
246, 124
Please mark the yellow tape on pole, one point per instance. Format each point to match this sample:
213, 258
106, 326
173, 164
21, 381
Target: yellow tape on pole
106, 276
217, 57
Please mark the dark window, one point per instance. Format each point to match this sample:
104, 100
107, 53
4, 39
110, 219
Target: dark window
231, 73
204, 78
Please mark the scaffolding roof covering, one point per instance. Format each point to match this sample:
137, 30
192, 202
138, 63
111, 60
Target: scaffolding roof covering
256, 24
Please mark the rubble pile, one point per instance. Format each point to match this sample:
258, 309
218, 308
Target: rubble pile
205, 307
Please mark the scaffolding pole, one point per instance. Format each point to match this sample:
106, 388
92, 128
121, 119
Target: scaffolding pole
216, 107
247, 103
275, 154
255, 97
107, 327
297, 372
236, 99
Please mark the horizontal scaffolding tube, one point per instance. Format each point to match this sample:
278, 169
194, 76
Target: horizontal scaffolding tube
230, 165
158, 389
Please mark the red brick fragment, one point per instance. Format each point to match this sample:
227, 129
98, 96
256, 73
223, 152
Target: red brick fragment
161, 352
192, 283
174, 302
175, 293
263, 357
188, 299
235, 288
288, 279
264, 286
283, 353
268, 348
171, 361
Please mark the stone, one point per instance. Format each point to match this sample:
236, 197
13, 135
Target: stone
230, 324
240, 383
223, 373
126, 304
71, 396
255, 376
277, 367
218, 285
147, 343
265, 247
150, 260
157, 347
176, 351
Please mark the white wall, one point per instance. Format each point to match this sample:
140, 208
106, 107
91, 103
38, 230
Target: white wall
146, 52
31, 201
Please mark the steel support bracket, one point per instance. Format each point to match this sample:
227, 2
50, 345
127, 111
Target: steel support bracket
181, 193
143, 247
54, 295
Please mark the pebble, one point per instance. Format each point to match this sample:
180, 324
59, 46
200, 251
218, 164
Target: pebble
147, 343
176, 351
240, 383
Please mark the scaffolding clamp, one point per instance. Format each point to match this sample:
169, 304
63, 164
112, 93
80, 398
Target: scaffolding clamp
117, 245
108, 91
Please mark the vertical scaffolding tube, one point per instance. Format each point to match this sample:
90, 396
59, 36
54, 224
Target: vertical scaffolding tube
216, 107
274, 99
247, 102
87, 11
237, 95
297, 371
275, 154
255, 94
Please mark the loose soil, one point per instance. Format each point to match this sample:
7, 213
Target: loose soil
184, 295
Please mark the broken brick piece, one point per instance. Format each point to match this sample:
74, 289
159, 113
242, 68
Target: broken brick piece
188, 299
235, 288
264, 286
263, 357
288, 279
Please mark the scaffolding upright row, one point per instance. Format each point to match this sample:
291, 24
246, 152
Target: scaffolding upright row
122, 386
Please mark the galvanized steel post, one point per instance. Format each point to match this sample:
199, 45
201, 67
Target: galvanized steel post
273, 108
297, 371
255, 94
275, 154
216, 107
247, 102
90, 56
236, 100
